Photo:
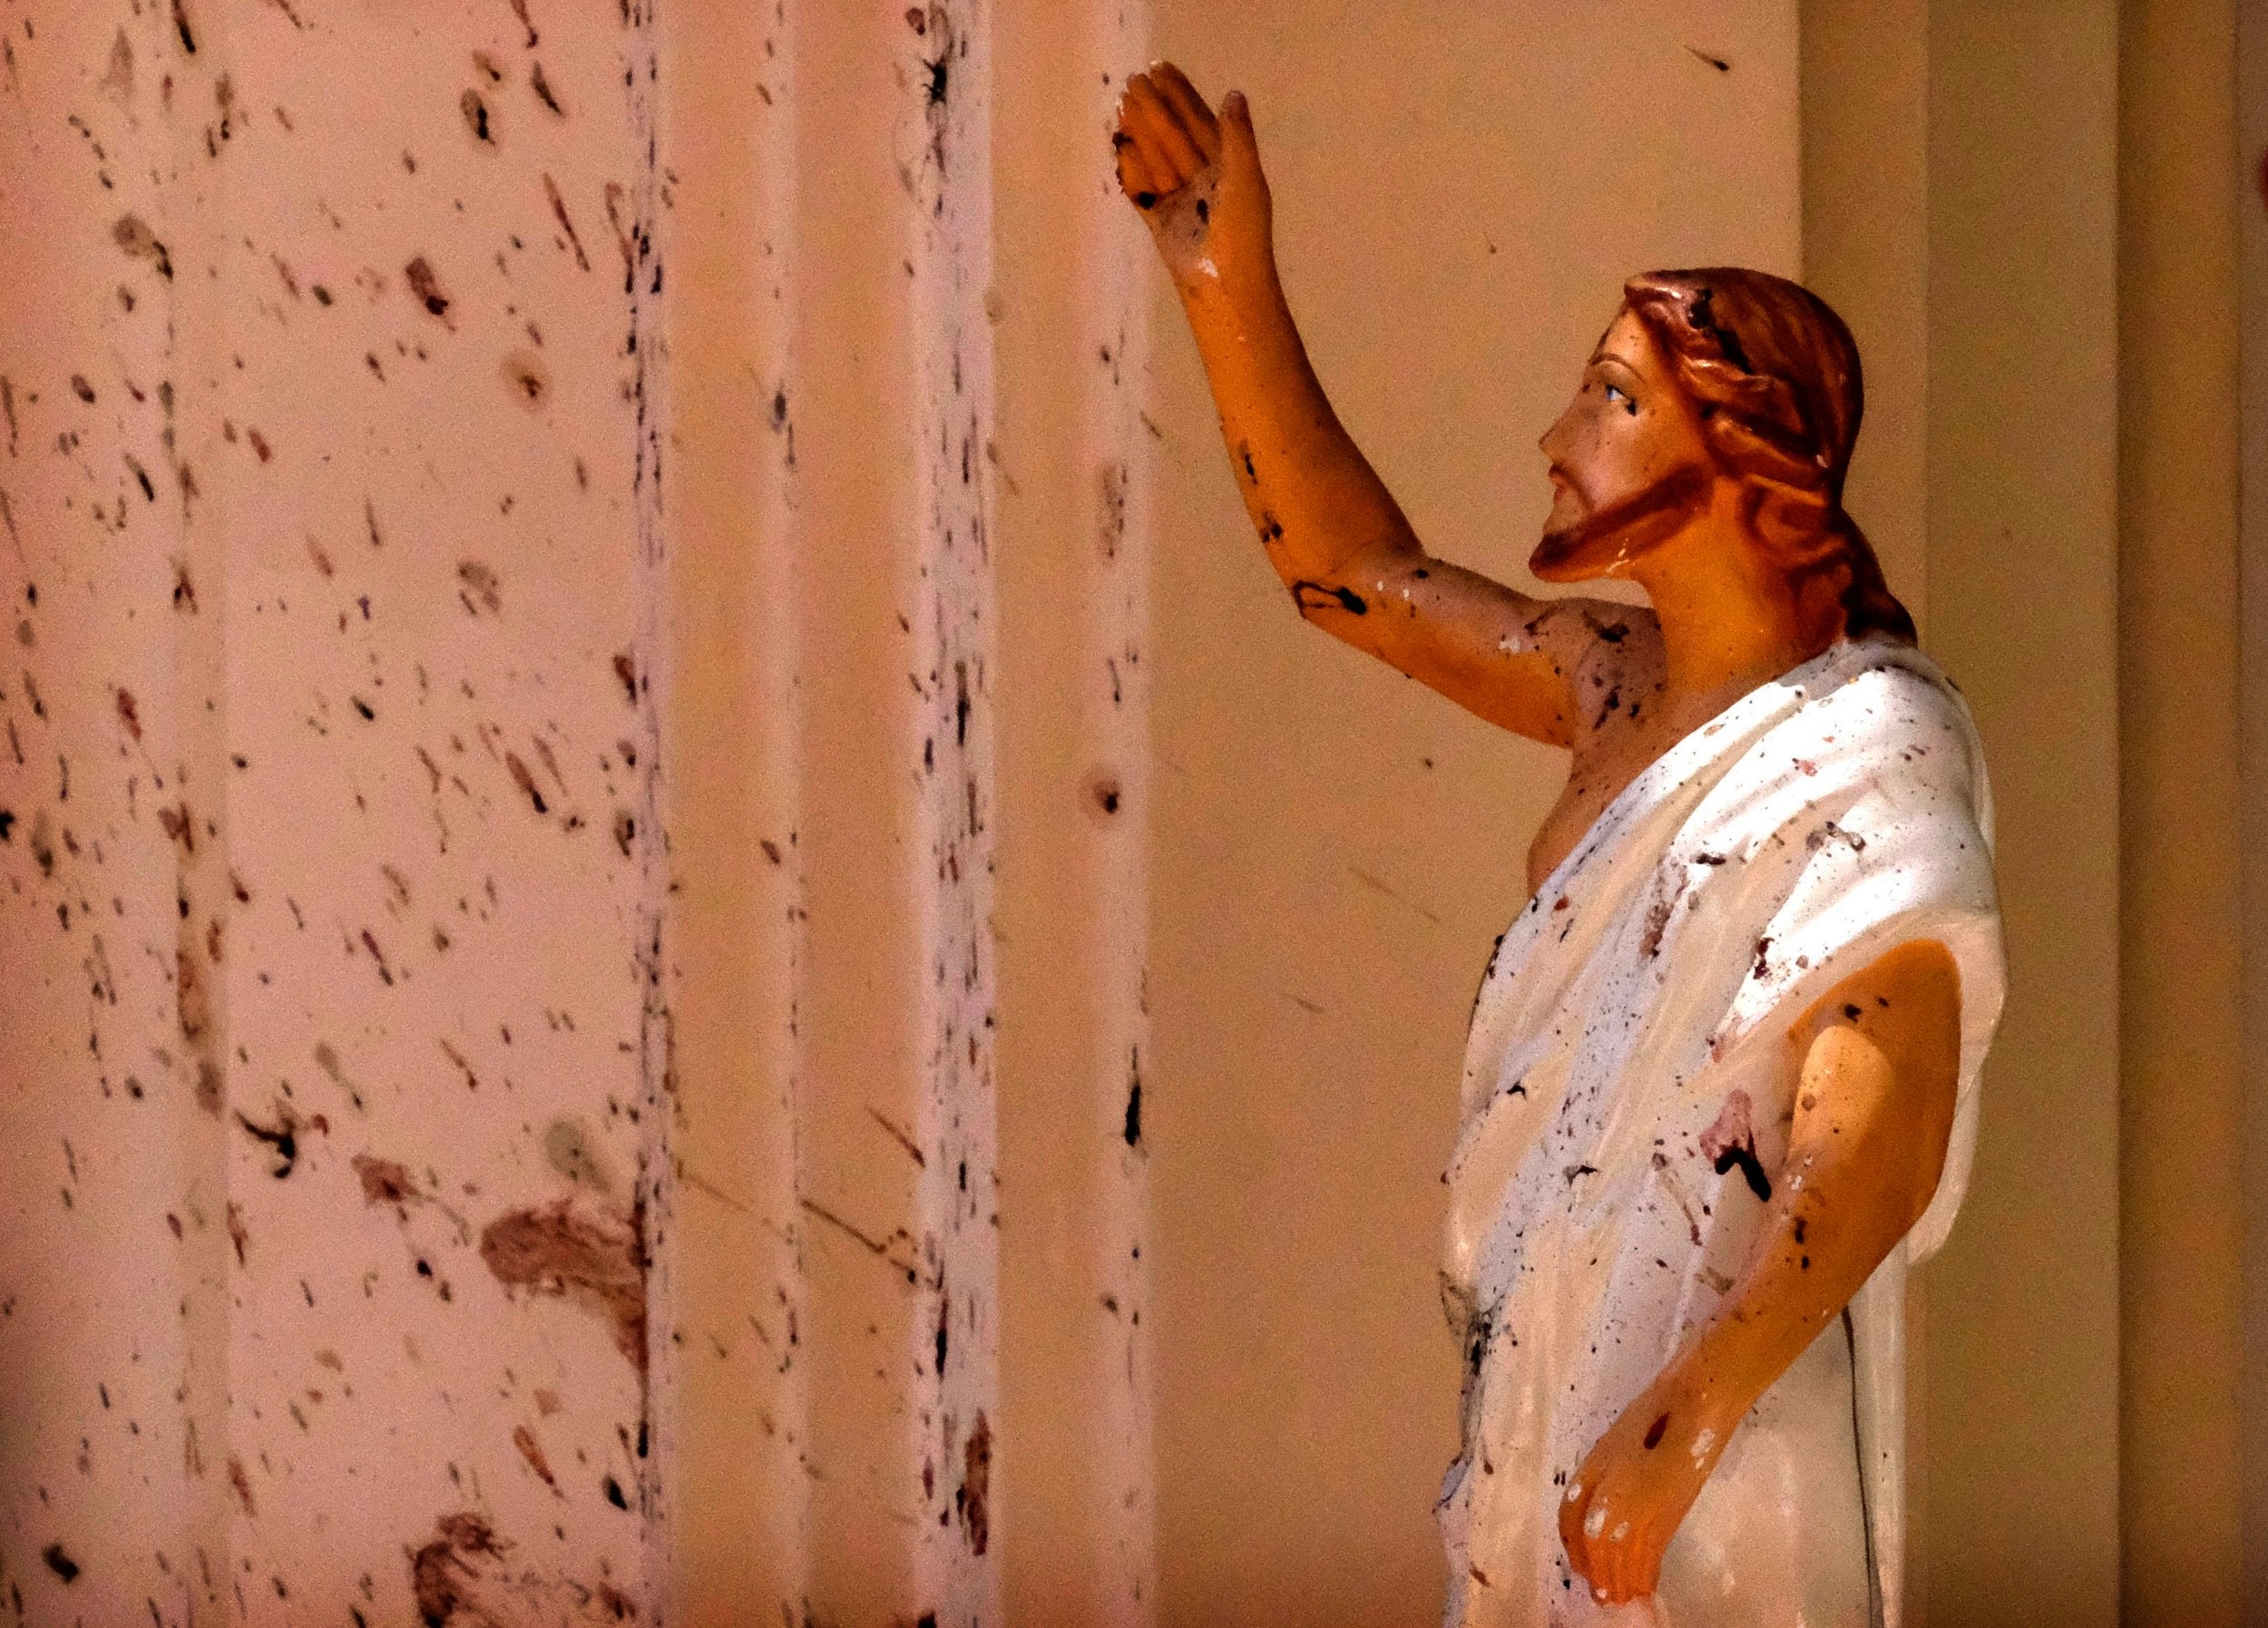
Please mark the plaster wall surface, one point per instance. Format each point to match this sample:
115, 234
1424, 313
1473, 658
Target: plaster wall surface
331, 1085
688, 935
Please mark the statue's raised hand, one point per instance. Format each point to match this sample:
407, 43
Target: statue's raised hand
1196, 178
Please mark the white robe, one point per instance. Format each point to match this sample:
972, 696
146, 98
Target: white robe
1816, 822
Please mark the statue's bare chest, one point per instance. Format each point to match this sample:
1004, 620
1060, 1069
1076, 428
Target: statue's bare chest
1622, 725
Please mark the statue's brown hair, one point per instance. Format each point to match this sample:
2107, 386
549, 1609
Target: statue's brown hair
1774, 374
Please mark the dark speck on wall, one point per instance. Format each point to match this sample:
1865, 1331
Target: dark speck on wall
530, 381
383, 1181
442, 1575
427, 286
481, 582
972, 1498
282, 1139
526, 781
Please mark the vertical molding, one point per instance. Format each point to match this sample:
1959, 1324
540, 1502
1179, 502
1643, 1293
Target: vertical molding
784, 1536
2181, 1129
740, 1501
2251, 208
651, 676
1115, 688
956, 1332
200, 394
351, 414
1069, 301
2022, 1385
116, 911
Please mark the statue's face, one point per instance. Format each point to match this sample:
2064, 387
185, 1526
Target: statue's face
1628, 461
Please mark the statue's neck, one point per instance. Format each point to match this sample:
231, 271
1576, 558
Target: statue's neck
1729, 622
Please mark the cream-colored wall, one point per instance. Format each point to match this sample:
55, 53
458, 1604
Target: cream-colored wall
1865, 99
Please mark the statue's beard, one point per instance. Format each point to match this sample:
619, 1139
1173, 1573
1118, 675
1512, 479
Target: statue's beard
1622, 531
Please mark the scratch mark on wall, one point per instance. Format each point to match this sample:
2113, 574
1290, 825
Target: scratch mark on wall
559, 206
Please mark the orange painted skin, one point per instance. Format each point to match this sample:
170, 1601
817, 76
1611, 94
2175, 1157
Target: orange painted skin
1877, 1055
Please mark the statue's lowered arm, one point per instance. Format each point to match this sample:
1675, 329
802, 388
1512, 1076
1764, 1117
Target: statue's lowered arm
1879, 1055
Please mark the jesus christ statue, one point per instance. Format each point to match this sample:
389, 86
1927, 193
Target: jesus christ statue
1720, 1078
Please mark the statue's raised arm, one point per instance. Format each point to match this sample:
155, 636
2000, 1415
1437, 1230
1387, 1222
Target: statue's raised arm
1332, 531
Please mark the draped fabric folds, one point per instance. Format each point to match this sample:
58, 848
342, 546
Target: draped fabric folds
1819, 820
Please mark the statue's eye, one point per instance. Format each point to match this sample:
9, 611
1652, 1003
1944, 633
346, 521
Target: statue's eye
1615, 392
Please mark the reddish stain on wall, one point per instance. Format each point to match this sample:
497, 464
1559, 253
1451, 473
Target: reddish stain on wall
589, 1256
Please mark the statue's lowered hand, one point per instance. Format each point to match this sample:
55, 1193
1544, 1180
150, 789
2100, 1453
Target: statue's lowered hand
1632, 1491
1196, 179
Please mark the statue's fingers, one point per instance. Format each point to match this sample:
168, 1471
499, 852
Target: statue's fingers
1240, 148
1600, 1567
1646, 1576
1139, 163
1173, 142
1614, 1566
1605, 1557
1134, 176
1190, 107
1139, 121
1637, 1560
1571, 1538
1599, 1571
1172, 157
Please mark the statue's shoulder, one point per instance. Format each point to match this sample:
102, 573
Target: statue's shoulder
1895, 719
1886, 687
